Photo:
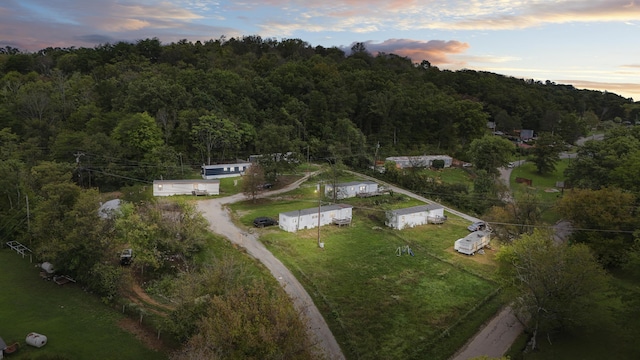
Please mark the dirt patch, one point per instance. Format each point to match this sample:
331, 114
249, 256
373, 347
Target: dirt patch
140, 297
146, 336
486, 258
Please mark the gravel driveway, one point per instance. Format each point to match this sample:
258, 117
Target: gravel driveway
215, 212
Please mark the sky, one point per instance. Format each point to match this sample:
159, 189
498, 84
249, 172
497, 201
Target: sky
590, 44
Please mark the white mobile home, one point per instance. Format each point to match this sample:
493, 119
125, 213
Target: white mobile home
350, 189
219, 171
186, 187
403, 162
473, 242
413, 216
293, 221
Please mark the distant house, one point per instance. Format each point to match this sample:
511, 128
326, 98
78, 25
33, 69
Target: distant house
403, 162
293, 221
351, 189
526, 134
473, 242
186, 187
414, 216
219, 171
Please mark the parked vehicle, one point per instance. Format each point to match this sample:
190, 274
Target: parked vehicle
264, 221
476, 226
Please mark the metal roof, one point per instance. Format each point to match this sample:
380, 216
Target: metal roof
416, 209
314, 210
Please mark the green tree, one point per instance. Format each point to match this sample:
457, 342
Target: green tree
137, 135
546, 152
610, 215
213, 132
488, 153
554, 286
249, 323
252, 181
486, 192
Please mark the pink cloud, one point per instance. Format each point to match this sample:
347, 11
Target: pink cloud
624, 89
437, 52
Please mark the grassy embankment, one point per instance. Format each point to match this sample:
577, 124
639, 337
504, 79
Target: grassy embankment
77, 324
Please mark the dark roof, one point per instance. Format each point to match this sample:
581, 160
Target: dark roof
314, 210
416, 209
353, 183
189, 181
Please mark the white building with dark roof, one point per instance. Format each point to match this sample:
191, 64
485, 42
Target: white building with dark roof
293, 221
414, 216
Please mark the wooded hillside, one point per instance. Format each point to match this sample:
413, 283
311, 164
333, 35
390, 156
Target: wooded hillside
142, 110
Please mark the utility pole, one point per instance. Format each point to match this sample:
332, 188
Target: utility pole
78, 154
28, 220
319, 204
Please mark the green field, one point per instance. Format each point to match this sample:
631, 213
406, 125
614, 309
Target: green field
77, 325
543, 186
380, 305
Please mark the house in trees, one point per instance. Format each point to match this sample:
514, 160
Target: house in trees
414, 216
293, 221
403, 162
351, 189
186, 187
219, 171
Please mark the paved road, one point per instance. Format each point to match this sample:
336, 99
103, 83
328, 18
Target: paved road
494, 338
220, 223
417, 197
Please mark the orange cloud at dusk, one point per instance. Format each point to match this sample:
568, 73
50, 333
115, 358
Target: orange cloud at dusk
435, 51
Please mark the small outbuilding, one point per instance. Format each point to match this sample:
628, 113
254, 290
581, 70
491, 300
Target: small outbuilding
293, 221
186, 187
473, 242
414, 216
350, 189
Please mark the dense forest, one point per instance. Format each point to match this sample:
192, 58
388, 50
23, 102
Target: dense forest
138, 111
76, 122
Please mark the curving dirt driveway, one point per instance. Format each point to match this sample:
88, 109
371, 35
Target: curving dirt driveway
220, 222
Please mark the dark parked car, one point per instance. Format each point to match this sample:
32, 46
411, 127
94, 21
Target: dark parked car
264, 221
476, 226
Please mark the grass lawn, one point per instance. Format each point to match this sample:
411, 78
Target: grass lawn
77, 324
380, 305
542, 185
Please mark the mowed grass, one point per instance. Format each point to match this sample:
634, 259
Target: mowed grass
380, 305
542, 184
77, 324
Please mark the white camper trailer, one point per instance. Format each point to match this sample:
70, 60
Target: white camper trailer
473, 242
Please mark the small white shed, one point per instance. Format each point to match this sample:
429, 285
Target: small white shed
413, 216
350, 189
186, 187
293, 221
473, 242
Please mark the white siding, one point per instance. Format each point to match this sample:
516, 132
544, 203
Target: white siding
185, 187
293, 221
